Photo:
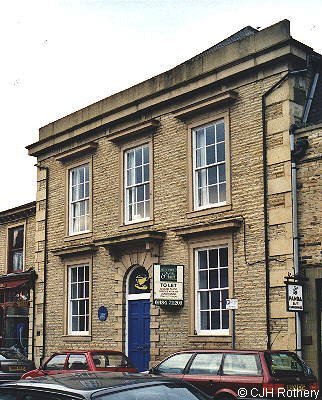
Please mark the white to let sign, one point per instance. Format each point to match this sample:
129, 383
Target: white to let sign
294, 297
231, 304
168, 285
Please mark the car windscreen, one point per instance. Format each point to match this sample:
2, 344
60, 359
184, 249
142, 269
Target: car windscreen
168, 391
284, 364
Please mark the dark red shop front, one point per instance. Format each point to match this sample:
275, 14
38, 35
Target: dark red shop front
15, 310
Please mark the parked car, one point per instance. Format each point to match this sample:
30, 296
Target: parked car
87, 360
100, 386
221, 373
13, 364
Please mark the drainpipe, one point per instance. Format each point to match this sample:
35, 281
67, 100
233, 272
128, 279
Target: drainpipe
45, 263
266, 249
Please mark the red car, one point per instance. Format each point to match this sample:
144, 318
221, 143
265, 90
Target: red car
233, 374
87, 360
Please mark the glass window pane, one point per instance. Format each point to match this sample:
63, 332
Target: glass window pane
140, 210
223, 256
74, 193
74, 291
213, 258
241, 364
213, 278
213, 194
222, 192
201, 178
140, 193
129, 177
138, 175
210, 134
215, 319
204, 320
222, 172
215, 299
204, 300
74, 177
146, 173
86, 173
212, 175
146, 155
86, 189
82, 307
203, 280
220, 131
202, 259
147, 208
138, 156
130, 159
81, 321
147, 191
80, 290
74, 307
206, 364
200, 155
221, 152
224, 297
80, 274
200, 138
224, 277
81, 175
74, 324
174, 364
74, 274
210, 155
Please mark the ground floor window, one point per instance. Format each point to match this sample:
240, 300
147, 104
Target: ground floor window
78, 300
212, 290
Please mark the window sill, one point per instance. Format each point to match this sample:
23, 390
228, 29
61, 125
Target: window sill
210, 210
210, 339
136, 225
71, 338
77, 236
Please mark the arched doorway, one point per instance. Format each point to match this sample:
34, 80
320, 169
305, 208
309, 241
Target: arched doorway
138, 317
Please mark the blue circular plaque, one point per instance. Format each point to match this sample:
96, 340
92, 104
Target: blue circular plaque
102, 313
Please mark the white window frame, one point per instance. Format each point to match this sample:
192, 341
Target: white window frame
213, 332
207, 167
70, 300
127, 187
79, 200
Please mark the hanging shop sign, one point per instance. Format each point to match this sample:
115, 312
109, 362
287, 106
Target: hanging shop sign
102, 313
294, 297
168, 285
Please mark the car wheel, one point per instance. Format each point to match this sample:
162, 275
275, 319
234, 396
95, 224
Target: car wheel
225, 397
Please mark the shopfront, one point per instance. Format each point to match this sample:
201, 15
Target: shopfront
15, 310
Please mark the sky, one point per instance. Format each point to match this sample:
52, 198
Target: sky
59, 56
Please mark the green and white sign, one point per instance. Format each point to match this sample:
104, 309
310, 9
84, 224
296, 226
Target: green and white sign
168, 285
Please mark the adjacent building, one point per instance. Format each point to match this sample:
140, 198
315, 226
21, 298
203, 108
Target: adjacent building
183, 187
17, 278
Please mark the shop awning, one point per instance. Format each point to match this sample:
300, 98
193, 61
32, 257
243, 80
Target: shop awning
13, 284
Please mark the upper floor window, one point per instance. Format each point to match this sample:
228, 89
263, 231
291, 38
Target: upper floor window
209, 165
137, 184
78, 299
15, 249
79, 185
212, 291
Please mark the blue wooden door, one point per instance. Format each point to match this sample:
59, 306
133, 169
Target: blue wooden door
139, 333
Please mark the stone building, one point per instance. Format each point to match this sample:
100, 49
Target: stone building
188, 171
17, 278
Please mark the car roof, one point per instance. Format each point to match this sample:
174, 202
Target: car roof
87, 382
232, 351
89, 351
